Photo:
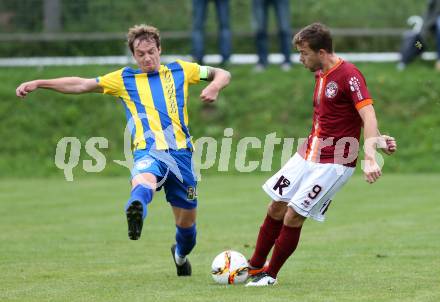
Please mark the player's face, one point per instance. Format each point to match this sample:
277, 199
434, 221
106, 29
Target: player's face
147, 55
309, 58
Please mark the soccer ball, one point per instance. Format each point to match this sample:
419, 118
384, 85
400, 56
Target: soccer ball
229, 267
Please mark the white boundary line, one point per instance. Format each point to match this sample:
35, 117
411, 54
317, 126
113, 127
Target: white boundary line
239, 59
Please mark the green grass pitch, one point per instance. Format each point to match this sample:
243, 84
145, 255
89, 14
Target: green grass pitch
63, 241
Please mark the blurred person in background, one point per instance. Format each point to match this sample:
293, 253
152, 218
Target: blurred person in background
155, 98
260, 10
414, 43
198, 29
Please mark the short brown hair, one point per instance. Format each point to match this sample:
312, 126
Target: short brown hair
142, 32
317, 35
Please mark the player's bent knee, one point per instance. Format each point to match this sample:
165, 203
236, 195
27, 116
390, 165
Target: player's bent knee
146, 179
185, 218
277, 210
293, 219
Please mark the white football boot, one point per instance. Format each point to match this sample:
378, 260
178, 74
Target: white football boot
262, 279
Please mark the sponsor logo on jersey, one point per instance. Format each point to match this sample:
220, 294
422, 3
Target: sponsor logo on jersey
355, 85
331, 90
144, 163
305, 203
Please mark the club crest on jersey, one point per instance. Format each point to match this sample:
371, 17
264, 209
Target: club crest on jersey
331, 90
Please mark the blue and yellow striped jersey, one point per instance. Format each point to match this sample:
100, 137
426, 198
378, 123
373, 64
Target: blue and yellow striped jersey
155, 103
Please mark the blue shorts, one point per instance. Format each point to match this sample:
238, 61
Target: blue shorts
174, 172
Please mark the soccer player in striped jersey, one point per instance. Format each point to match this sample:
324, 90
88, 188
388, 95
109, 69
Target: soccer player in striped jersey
155, 98
305, 186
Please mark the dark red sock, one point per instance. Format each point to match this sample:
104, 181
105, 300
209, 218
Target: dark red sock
285, 245
269, 231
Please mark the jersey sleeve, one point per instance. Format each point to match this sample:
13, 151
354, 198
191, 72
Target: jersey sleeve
112, 83
191, 70
357, 90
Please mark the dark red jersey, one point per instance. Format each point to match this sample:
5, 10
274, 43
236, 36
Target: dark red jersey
339, 94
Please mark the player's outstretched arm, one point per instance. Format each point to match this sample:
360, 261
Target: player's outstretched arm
219, 79
63, 85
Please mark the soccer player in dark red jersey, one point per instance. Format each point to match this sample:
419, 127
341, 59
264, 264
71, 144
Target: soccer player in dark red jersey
306, 184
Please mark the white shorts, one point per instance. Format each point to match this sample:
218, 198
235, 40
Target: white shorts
306, 186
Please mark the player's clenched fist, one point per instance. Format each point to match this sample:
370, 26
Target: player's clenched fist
209, 94
391, 144
25, 88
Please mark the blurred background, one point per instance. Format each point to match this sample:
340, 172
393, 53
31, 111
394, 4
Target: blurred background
97, 27
407, 102
67, 241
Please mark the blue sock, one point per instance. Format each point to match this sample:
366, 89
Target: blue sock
142, 193
185, 239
